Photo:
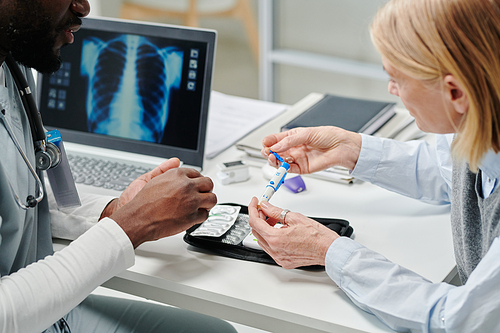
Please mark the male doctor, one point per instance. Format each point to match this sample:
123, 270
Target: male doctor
42, 291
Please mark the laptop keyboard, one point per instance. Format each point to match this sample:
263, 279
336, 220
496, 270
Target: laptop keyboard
103, 173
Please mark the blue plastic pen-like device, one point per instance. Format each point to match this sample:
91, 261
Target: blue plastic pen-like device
276, 181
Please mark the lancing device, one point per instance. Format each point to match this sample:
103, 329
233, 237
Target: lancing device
276, 181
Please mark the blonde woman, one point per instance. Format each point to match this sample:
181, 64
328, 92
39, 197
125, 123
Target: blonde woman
443, 58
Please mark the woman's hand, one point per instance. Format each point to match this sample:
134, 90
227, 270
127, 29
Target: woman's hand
300, 242
312, 149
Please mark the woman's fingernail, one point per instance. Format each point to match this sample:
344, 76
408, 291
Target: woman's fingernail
264, 204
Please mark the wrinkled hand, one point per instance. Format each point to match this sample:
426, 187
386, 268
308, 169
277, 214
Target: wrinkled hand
301, 242
164, 202
312, 149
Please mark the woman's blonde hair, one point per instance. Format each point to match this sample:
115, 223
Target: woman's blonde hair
428, 39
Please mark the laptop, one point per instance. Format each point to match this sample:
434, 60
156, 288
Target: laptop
132, 90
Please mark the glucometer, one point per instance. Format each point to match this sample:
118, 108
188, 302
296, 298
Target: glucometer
276, 181
233, 172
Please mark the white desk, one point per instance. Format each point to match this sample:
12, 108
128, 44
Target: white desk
413, 234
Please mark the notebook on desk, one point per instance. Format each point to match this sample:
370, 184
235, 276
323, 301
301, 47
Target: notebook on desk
353, 114
133, 90
252, 143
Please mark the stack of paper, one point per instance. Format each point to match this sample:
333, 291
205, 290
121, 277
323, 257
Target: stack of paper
230, 118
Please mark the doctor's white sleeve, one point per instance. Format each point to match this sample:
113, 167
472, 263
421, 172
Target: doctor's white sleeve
69, 223
405, 301
414, 168
37, 296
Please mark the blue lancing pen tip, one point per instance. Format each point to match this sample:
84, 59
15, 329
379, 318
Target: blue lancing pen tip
278, 157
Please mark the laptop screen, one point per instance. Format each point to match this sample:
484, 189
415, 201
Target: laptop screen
133, 86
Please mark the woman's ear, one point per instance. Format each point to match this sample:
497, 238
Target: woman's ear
456, 94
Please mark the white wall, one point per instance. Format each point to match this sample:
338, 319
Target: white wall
105, 7
95, 7
338, 28
331, 27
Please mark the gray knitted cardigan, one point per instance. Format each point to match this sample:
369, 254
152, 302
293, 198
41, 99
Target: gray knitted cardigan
474, 219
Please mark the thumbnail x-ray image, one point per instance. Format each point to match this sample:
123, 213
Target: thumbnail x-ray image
129, 83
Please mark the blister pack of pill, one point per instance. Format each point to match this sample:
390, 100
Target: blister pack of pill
237, 233
220, 219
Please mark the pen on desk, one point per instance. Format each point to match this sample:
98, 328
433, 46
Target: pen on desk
276, 181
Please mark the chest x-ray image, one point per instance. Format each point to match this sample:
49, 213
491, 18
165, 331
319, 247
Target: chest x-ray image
129, 84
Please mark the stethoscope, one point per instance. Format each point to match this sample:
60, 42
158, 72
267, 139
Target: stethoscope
47, 155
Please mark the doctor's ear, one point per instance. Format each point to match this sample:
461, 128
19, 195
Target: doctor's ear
456, 94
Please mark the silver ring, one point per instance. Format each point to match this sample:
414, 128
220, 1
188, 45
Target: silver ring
283, 215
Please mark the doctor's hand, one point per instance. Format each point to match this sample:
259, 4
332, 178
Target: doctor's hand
131, 191
164, 202
301, 242
312, 149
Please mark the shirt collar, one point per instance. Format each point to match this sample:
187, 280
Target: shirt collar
490, 165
